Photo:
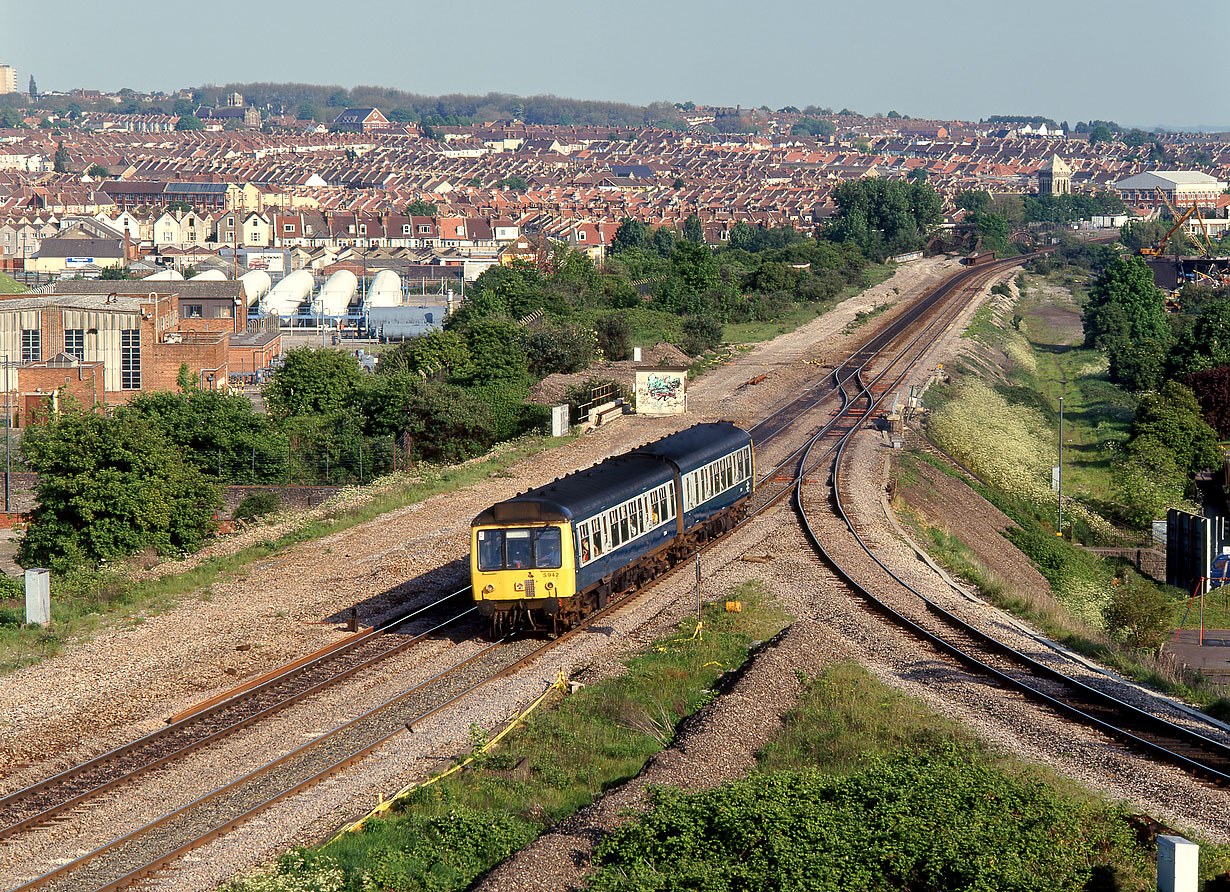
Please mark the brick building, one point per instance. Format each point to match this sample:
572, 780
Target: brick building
109, 345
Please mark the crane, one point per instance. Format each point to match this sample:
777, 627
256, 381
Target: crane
1179, 220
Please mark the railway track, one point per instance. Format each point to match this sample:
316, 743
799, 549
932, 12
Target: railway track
226, 714
145, 850
891, 595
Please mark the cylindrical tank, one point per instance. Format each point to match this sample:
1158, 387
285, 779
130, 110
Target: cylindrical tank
385, 290
336, 294
166, 275
289, 294
256, 284
210, 275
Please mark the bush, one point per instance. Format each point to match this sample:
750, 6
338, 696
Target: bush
258, 504
700, 334
944, 821
1138, 613
615, 337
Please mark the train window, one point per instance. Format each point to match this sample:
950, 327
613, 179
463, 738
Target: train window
490, 550
548, 548
634, 518
519, 552
600, 537
606, 532
624, 531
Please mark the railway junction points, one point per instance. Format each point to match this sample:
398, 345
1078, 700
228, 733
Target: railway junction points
127, 681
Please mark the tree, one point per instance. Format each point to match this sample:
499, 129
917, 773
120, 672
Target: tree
436, 354
33, 91
884, 217
1212, 390
974, 200
98, 172
1099, 134
313, 382
60, 164
694, 230
338, 99
1207, 345
1125, 308
917, 175
421, 208
182, 107
221, 434
115, 273
307, 112
189, 122
109, 486
1172, 419
513, 182
630, 234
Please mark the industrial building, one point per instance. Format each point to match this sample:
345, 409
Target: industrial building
105, 347
1182, 188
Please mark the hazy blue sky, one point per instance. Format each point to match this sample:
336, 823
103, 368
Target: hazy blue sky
1071, 60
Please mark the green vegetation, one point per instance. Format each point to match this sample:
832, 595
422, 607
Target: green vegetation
568, 753
86, 599
865, 788
9, 285
109, 486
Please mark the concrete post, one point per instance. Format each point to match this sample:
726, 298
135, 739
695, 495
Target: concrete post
38, 596
1178, 863
559, 420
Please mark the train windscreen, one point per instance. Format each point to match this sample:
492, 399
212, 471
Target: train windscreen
520, 549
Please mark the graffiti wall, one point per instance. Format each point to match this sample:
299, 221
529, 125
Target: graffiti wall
661, 391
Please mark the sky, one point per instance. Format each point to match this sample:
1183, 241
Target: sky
1075, 60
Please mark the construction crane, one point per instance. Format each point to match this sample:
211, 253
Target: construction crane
1179, 220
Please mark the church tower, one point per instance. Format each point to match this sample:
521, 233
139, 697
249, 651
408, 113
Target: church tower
1055, 177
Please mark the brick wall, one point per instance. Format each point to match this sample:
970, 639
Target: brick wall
205, 354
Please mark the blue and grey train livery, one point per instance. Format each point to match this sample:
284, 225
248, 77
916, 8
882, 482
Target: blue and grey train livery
560, 551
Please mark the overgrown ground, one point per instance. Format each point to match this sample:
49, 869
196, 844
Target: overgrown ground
566, 755
865, 788
999, 417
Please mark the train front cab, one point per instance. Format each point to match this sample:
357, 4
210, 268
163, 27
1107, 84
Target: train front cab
520, 569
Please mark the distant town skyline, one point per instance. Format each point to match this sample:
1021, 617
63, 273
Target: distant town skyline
1070, 61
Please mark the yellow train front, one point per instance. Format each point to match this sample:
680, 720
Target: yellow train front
554, 554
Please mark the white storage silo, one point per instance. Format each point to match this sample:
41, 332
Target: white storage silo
166, 275
336, 294
256, 284
210, 275
385, 290
287, 296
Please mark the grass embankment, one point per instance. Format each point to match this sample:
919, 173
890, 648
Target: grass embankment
1001, 420
89, 600
566, 755
867, 789
9, 285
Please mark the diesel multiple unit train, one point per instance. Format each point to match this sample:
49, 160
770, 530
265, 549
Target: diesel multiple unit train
554, 554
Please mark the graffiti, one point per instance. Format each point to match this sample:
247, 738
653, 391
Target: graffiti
661, 391
664, 389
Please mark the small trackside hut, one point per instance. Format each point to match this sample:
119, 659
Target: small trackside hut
561, 551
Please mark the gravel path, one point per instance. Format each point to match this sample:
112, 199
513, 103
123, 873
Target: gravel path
123, 682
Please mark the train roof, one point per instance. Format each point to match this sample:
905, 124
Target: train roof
583, 493
697, 445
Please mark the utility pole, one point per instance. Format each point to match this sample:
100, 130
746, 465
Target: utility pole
8, 421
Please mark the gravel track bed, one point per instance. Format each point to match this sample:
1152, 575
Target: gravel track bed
123, 682
833, 624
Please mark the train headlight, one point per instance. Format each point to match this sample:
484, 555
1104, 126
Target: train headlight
519, 586
550, 585
488, 589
